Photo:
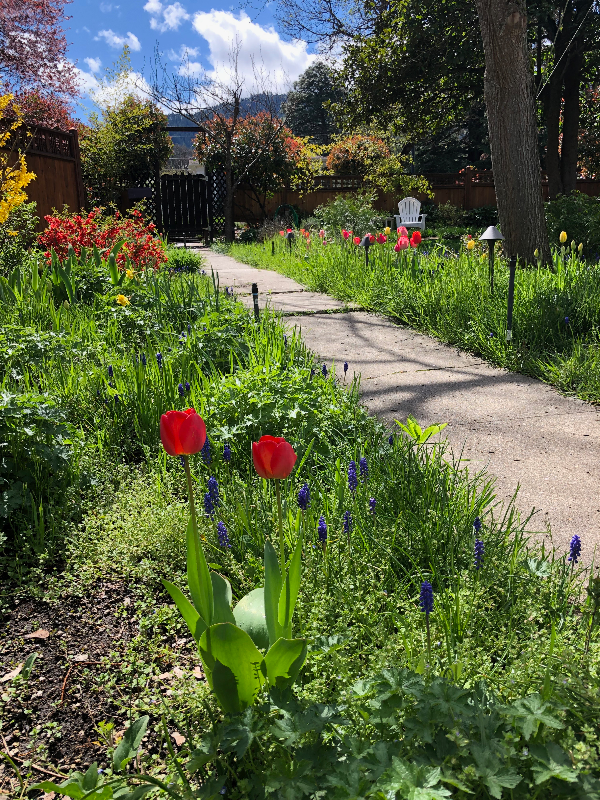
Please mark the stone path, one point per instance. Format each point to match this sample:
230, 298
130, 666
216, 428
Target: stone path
522, 430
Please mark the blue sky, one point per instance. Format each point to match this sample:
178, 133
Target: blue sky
98, 31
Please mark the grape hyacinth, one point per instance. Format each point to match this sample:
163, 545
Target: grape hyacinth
574, 549
187, 386
372, 504
322, 530
213, 490
110, 371
391, 440
223, 535
352, 479
209, 506
426, 598
312, 372
364, 468
324, 370
143, 359
479, 553
189, 328
345, 368
227, 453
181, 389
205, 452
477, 524
347, 522
159, 359
304, 497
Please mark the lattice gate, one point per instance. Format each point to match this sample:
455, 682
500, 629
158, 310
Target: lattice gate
217, 192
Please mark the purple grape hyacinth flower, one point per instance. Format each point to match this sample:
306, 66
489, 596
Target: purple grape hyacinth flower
209, 506
574, 549
205, 452
227, 453
426, 597
479, 553
181, 389
372, 504
352, 478
213, 490
364, 468
477, 524
223, 535
322, 530
324, 370
347, 522
304, 497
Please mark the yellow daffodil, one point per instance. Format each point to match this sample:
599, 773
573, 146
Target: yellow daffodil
122, 300
563, 237
470, 244
13, 233
130, 274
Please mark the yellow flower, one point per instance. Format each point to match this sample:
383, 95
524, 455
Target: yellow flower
387, 231
13, 233
563, 237
580, 248
130, 274
470, 244
536, 253
122, 300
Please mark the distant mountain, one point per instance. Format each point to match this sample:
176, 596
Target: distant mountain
248, 105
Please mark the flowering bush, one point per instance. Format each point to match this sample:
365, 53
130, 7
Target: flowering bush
14, 176
141, 246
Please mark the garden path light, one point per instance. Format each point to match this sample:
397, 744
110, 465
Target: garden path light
491, 236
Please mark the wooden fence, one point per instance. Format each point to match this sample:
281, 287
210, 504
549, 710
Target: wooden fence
468, 189
54, 158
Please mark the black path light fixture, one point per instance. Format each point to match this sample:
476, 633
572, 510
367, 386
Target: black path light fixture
491, 236
290, 238
366, 243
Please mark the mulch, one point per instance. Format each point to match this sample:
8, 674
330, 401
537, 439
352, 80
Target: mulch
48, 724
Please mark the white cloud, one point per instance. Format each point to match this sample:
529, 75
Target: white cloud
261, 48
113, 39
165, 18
93, 63
107, 94
106, 8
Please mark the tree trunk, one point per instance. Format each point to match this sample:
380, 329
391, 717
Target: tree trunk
569, 147
552, 97
510, 107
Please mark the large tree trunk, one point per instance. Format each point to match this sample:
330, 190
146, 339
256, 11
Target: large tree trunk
570, 137
509, 100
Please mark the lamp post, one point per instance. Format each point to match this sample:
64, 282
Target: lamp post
491, 236
290, 238
366, 243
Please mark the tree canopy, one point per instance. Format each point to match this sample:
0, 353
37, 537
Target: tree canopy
305, 111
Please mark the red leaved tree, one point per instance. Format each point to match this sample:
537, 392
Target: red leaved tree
33, 48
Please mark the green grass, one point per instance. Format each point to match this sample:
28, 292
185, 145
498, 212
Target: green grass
556, 320
373, 712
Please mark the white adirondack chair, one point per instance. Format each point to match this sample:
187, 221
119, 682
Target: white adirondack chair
409, 214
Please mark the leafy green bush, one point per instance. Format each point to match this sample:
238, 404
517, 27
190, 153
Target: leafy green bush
17, 235
180, 259
350, 212
578, 215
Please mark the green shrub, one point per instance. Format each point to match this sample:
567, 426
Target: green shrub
180, 259
579, 216
17, 235
351, 212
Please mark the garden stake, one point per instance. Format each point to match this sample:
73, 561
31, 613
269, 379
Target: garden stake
255, 298
272, 247
511, 298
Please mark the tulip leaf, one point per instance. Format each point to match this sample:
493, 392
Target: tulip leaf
222, 599
129, 744
289, 591
273, 582
284, 661
199, 581
249, 615
232, 664
192, 618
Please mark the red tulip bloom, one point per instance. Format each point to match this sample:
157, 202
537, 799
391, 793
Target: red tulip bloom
372, 238
182, 432
289, 230
415, 239
402, 231
346, 234
282, 233
356, 240
381, 238
402, 243
273, 457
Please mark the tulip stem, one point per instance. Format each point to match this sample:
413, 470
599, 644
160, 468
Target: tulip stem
188, 475
281, 540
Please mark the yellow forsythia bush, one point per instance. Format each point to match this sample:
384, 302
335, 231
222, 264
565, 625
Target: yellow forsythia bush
14, 177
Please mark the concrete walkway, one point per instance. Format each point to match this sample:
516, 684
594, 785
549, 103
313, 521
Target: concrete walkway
522, 430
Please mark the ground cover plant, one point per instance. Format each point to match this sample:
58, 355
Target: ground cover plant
444, 654
433, 288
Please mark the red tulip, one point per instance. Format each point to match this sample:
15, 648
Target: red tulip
402, 243
282, 233
182, 432
346, 234
415, 239
289, 230
381, 238
371, 238
273, 457
356, 240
